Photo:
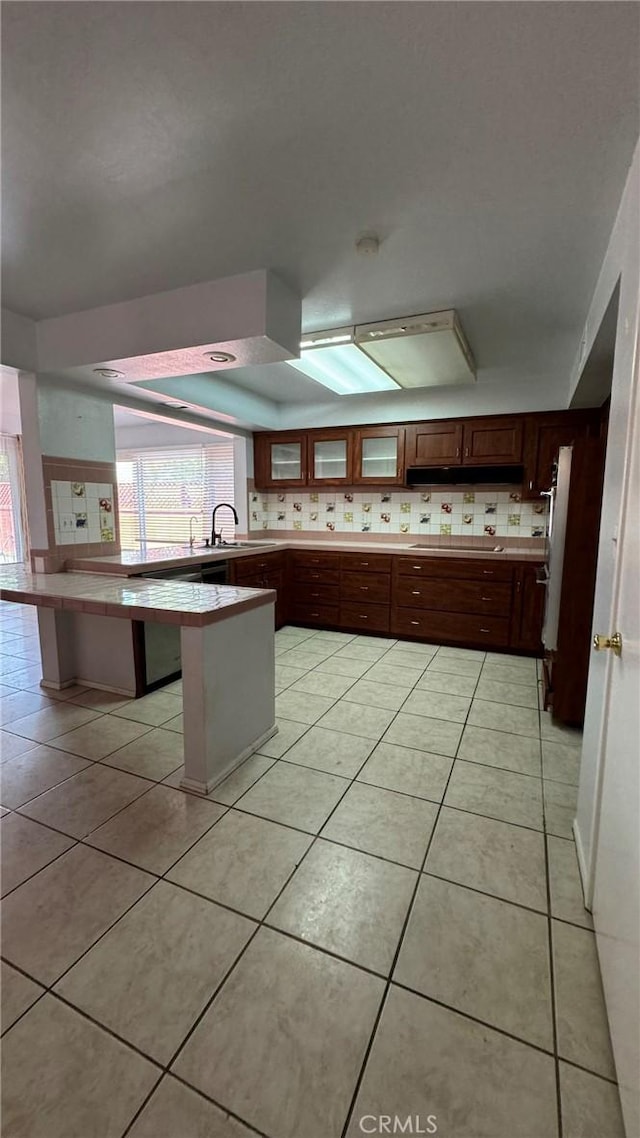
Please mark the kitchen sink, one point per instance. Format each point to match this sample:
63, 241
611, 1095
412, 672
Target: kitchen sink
242, 545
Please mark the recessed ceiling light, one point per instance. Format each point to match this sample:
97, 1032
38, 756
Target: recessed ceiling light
176, 406
220, 357
108, 373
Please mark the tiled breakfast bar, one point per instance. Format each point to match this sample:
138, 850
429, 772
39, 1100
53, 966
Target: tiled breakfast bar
227, 648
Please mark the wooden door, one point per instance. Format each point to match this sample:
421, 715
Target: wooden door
434, 444
528, 609
379, 455
492, 442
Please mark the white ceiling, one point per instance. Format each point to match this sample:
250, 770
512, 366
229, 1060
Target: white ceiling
153, 145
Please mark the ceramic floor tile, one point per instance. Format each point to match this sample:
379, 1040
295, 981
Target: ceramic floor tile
440, 736
157, 829
557, 732
331, 751
463, 653
500, 692
175, 1111
362, 652
150, 977
66, 1098
454, 665
347, 902
371, 694
590, 1106
517, 753
295, 796
13, 745
504, 717
154, 709
96, 740
155, 754
428, 1061
101, 700
32, 773
500, 671
45, 725
497, 794
381, 822
400, 658
349, 668
561, 762
355, 719
287, 734
407, 771
481, 956
560, 805
176, 724
494, 857
334, 637
583, 1032
323, 683
565, 886
53, 918
419, 648
26, 848
436, 705
393, 675
307, 655
302, 708
18, 994
243, 862
447, 683
19, 704
62, 694
283, 1042
287, 675
85, 801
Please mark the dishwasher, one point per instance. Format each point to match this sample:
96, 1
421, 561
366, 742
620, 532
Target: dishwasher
157, 646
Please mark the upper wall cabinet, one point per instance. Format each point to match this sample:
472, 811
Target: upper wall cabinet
494, 441
379, 455
330, 456
280, 460
543, 437
434, 444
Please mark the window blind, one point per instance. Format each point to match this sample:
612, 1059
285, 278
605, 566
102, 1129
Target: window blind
12, 544
160, 490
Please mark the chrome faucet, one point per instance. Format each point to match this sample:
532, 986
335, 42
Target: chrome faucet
216, 538
192, 519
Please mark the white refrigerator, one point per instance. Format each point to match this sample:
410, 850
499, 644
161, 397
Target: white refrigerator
558, 495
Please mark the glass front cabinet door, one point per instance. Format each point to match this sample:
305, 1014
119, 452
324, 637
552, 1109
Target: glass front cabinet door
379, 455
330, 457
280, 460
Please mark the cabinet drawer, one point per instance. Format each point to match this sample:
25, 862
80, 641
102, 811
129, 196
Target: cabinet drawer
466, 628
312, 559
453, 595
458, 568
375, 618
258, 565
315, 593
325, 576
365, 562
365, 587
315, 614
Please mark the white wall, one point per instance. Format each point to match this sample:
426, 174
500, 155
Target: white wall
620, 264
74, 424
9, 402
151, 433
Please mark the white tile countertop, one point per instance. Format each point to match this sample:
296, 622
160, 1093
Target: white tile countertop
132, 562
163, 602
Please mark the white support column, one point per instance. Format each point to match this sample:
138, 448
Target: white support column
228, 679
56, 648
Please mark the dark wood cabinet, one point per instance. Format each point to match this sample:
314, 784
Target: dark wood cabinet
434, 444
456, 601
264, 571
492, 442
378, 457
528, 608
330, 457
280, 460
543, 437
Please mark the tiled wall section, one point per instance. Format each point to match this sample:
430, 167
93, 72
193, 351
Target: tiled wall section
94, 540
82, 512
483, 512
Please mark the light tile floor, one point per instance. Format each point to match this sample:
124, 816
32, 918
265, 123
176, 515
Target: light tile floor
378, 915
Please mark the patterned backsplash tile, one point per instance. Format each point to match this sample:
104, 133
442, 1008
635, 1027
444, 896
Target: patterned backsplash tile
480, 512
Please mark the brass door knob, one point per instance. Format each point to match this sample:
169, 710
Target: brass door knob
600, 643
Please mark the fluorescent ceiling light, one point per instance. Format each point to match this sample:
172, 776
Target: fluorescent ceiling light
414, 351
343, 368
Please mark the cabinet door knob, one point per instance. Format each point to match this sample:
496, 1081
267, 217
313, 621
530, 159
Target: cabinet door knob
457, 452
531, 484
466, 452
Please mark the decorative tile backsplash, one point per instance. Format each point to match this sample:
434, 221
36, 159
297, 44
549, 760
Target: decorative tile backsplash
82, 512
488, 512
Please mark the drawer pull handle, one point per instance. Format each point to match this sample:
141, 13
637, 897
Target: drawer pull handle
485, 630
485, 598
316, 595
416, 593
416, 566
488, 572
315, 614
364, 588
415, 622
363, 617
364, 564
